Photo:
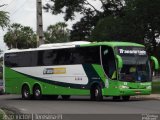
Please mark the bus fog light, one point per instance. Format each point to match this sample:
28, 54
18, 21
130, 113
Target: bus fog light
148, 87
124, 87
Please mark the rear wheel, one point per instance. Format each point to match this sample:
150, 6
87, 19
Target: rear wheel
125, 98
26, 92
96, 93
37, 94
66, 97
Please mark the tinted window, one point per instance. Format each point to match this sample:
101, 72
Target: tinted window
34, 58
86, 55
81, 55
49, 57
64, 56
11, 60
108, 61
23, 59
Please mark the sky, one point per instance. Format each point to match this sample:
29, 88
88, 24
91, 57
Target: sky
24, 12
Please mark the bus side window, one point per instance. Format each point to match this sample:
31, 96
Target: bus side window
108, 62
86, 55
11, 60
49, 57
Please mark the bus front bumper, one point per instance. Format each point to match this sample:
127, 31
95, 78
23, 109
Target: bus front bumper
126, 92
133, 92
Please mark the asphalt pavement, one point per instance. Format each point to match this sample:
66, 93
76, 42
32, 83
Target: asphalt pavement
82, 105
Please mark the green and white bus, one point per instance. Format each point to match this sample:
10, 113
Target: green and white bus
98, 69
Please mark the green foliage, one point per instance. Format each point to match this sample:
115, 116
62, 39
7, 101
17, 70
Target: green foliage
82, 29
116, 29
138, 22
117, 20
69, 7
146, 13
19, 36
155, 87
4, 19
57, 33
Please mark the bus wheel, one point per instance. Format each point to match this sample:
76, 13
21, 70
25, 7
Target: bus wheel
125, 98
66, 97
116, 98
37, 92
96, 93
26, 92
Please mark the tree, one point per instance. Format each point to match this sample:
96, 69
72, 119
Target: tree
82, 29
4, 18
1, 58
138, 23
1, 51
70, 7
146, 15
19, 36
57, 33
117, 29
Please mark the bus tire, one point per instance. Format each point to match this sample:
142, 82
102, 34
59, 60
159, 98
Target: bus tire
26, 92
96, 93
66, 97
125, 98
37, 93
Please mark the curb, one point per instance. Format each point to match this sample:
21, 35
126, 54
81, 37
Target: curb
149, 97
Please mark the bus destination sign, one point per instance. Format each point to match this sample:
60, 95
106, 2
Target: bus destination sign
131, 51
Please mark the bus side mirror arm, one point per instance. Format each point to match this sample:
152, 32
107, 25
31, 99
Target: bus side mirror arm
119, 61
155, 61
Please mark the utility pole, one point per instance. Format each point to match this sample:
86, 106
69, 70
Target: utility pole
40, 39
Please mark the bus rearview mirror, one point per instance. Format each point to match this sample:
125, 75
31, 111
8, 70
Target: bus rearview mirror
119, 61
155, 61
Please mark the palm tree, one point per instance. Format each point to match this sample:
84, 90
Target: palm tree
57, 33
4, 19
19, 36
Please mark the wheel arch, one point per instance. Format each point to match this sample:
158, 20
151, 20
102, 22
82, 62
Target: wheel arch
95, 84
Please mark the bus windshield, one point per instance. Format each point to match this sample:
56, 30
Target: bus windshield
136, 67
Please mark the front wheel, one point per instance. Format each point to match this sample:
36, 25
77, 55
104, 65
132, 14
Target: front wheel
37, 92
96, 93
26, 93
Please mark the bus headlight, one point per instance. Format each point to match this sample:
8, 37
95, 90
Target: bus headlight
124, 87
148, 87
106, 83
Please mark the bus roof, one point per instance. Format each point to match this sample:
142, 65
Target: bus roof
76, 43
114, 44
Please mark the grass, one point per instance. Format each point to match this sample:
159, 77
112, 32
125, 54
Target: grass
156, 87
1, 114
4, 114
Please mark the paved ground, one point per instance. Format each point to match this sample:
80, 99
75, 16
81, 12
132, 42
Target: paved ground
81, 108
82, 105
